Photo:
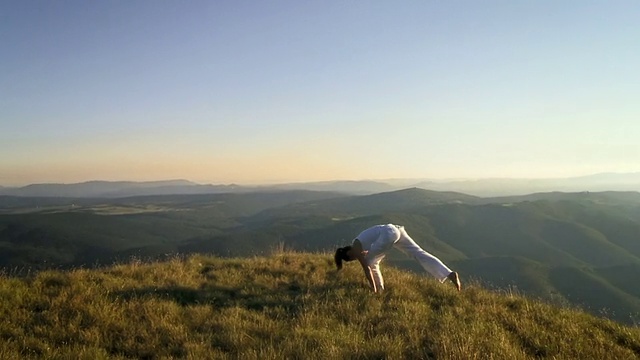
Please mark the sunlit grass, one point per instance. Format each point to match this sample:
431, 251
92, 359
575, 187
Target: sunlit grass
286, 306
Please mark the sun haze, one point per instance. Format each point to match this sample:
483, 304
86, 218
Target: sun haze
250, 92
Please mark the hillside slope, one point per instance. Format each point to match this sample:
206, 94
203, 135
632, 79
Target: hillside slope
287, 305
579, 248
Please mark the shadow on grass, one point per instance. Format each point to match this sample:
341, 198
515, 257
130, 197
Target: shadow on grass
254, 297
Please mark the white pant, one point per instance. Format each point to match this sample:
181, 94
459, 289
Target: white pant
396, 236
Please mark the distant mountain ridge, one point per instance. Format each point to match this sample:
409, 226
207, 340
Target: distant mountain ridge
506, 186
118, 189
476, 187
362, 187
115, 189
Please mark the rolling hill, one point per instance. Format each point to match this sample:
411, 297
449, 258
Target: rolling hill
619, 182
577, 248
285, 306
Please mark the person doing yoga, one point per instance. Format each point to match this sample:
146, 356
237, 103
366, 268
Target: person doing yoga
371, 245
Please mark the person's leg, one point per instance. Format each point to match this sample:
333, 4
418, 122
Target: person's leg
388, 236
375, 271
430, 263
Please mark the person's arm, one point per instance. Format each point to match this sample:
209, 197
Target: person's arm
367, 273
360, 254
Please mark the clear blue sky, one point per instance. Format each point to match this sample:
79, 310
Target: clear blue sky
275, 91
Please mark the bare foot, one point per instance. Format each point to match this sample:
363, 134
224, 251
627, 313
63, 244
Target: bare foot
455, 279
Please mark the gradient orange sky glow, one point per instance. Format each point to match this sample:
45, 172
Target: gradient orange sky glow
249, 93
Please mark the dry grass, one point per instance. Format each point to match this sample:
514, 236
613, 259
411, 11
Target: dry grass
286, 306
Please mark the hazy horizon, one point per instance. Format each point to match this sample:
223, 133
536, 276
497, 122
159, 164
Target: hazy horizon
264, 93
632, 178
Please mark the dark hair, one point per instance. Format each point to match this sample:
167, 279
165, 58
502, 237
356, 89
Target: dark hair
341, 254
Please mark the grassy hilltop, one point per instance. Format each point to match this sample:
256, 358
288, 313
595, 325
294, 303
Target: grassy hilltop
285, 306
